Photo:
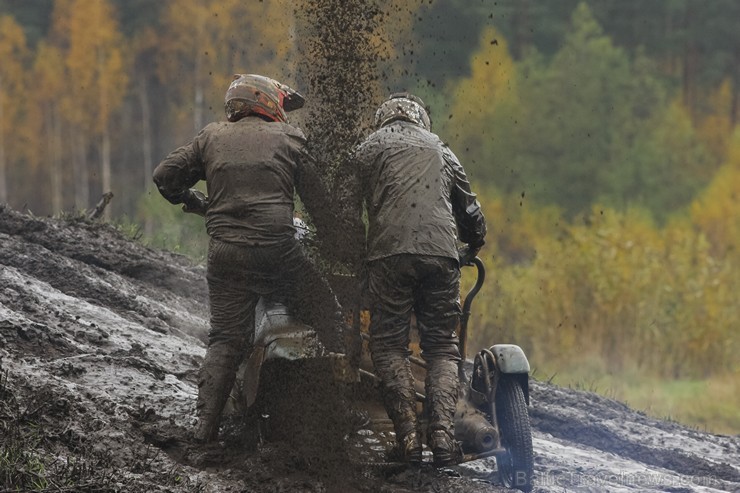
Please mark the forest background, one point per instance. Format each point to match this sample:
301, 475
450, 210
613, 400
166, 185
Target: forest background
601, 136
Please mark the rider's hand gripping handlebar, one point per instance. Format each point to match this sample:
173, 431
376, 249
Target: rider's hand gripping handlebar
195, 202
466, 255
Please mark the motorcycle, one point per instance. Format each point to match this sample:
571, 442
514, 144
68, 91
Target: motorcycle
491, 420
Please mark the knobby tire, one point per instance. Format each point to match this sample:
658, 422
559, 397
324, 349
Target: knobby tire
516, 467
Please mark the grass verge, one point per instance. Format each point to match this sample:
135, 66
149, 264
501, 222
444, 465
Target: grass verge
711, 404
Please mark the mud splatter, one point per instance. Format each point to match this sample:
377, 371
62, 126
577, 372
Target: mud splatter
339, 61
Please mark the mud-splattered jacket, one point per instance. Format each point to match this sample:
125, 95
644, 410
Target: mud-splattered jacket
252, 169
416, 193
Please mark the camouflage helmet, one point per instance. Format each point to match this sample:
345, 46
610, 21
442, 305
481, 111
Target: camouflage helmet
403, 106
259, 95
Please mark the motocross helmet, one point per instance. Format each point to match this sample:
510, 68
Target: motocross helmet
251, 94
403, 106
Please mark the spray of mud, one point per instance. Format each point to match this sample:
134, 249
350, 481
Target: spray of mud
339, 68
343, 58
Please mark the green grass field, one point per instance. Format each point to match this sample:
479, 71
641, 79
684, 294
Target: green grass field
711, 405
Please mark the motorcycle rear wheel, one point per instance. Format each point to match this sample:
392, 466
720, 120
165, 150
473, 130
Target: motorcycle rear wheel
516, 465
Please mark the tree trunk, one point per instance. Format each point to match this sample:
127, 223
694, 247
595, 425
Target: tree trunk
106, 167
81, 173
198, 96
3, 163
54, 134
735, 91
146, 146
146, 131
198, 102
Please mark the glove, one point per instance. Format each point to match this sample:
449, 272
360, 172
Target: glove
466, 255
195, 202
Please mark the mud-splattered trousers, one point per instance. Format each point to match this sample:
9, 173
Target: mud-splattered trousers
237, 277
427, 286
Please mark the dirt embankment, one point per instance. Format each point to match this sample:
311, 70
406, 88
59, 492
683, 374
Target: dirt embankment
100, 341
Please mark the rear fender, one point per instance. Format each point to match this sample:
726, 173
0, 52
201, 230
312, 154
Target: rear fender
277, 335
511, 362
282, 335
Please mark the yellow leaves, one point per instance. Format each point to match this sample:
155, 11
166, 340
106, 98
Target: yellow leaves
492, 82
184, 26
258, 35
13, 57
13, 54
715, 129
482, 103
717, 211
204, 43
492, 68
12, 39
610, 285
94, 61
47, 71
49, 79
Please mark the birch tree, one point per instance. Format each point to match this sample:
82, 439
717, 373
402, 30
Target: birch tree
49, 82
206, 41
13, 53
97, 81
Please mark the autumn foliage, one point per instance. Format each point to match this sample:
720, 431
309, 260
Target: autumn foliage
606, 155
614, 286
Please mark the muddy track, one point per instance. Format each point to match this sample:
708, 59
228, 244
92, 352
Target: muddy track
100, 341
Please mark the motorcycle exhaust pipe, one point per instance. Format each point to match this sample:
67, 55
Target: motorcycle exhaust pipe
476, 433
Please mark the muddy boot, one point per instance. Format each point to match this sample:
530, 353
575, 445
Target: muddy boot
214, 384
442, 392
408, 443
399, 400
410, 448
446, 449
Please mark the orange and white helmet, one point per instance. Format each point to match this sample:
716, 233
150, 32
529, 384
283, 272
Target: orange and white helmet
259, 95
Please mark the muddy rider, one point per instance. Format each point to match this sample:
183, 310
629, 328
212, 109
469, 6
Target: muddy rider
419, 205
252, 164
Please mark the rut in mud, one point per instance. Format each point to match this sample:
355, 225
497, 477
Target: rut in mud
101, 338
